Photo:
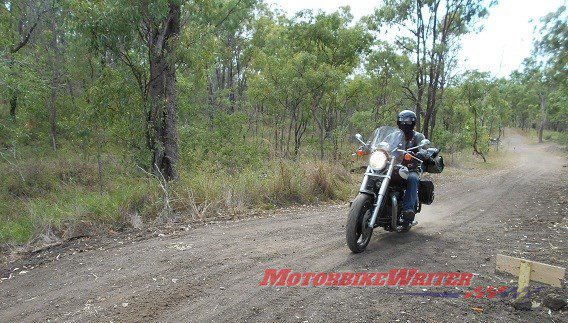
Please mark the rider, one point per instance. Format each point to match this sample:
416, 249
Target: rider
406, 122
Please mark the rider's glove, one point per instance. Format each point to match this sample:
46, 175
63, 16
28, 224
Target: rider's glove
422, 155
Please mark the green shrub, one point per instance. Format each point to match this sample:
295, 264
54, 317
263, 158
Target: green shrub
18, 231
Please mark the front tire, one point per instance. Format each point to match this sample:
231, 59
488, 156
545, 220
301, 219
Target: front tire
357, 232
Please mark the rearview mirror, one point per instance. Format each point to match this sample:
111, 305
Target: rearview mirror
360, 138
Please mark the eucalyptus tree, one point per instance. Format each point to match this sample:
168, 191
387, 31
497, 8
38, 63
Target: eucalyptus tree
232, 35
549, 64
430, 30
279, 81
475, 90
541, 84
553, 44
302, 67
337, 48
389, 73
144, 35
20, 22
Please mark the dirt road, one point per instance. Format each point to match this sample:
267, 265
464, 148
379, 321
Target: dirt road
212, 273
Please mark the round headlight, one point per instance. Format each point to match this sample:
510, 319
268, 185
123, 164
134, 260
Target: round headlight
378, 160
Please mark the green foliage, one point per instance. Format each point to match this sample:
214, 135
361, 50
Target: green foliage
554, 43
223, 145
266, 104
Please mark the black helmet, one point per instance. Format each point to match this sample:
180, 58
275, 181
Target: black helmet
406, 121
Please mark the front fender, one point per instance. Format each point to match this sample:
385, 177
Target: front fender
394, 209
371, 195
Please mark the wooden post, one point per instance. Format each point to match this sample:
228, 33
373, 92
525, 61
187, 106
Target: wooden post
528, 270
524, 278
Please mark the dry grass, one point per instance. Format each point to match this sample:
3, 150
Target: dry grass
45, 200
465, 162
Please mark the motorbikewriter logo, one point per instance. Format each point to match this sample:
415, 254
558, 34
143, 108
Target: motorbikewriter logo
395, 277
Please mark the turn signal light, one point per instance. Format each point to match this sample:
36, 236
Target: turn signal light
407, 157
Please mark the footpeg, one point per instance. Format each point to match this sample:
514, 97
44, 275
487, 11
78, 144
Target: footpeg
401, 228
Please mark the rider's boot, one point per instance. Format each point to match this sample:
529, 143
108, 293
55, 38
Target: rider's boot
408, 216
407, 221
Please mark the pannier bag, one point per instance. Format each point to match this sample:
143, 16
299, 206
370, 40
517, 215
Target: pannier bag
436, 166
426, 192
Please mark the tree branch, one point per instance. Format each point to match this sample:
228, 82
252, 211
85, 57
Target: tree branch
26, 38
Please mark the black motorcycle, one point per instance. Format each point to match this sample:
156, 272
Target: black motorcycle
377, 204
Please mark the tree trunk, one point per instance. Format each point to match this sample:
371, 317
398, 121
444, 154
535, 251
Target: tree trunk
419, 73
321, 130
23, 39
231, 76
499, 137
100, 167
56, 56
162, 94
321, 144
13, 106
543, 116
476, 136
53, 116
432, 123
275, 138
14, 98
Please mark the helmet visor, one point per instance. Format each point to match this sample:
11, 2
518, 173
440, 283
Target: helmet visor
406, 120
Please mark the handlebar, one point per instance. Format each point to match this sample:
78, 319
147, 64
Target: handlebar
409, 153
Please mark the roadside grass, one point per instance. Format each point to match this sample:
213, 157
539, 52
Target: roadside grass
465, 161
44, 199
559, 137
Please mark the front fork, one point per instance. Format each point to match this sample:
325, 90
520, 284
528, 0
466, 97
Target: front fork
382, 192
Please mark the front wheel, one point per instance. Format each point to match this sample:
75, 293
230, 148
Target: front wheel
358, 233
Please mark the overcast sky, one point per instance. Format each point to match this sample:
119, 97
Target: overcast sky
500, 48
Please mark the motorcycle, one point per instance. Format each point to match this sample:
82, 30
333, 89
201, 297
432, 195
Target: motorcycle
384, 183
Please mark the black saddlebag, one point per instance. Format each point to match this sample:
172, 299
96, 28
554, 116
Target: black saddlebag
426, 192
436, 165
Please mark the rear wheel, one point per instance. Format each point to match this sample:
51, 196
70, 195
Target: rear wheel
358, 233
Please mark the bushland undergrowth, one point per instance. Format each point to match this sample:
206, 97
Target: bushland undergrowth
48, 198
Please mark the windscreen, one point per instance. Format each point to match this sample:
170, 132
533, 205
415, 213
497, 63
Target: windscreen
388, 138
386, 134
